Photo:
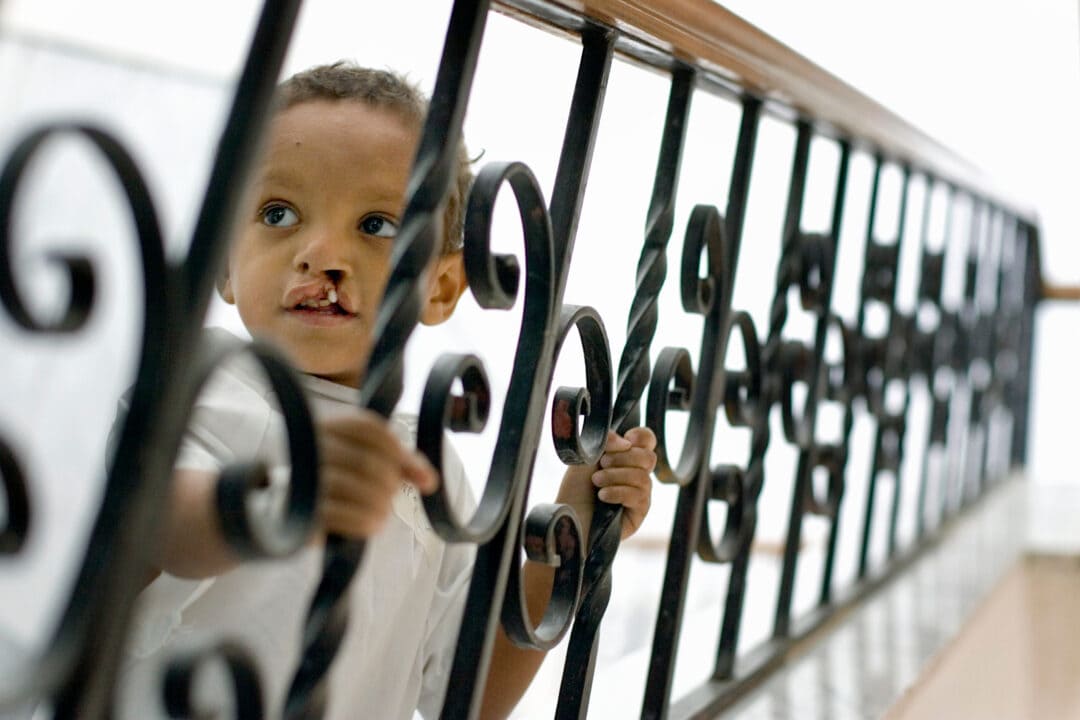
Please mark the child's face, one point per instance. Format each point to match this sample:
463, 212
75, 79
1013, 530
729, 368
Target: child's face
311, 258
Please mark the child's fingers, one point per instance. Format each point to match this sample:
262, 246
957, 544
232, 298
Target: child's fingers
419, 472
360, 442
641, 437
353, 522
630, 497
348, 452
354, 509
629, 477
616, 442
375, 488
635, 457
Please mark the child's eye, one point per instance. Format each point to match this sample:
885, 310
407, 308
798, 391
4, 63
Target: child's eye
278, 216
378, 226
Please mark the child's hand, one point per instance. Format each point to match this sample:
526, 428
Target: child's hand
362, 466
622, 476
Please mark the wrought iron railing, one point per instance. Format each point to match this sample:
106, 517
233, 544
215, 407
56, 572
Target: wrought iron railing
975, 357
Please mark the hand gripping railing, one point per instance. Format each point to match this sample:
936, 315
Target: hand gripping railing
981, 347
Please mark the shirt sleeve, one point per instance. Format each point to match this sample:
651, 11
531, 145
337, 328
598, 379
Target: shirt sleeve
451, 590
227, 424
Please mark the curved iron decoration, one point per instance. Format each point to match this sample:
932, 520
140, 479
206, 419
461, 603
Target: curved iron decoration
495, 288
57, 663
251, 533
702, 296
17, 515
737, 487
79, 269
182, 673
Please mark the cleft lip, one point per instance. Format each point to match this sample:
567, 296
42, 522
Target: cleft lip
318, 292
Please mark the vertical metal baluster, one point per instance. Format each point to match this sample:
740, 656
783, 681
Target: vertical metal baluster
875, 189
975, 451
1013, 290
652, 265
952, 477
1029, 265
736, 591
138, 479
778, 317
785, 594
991, 338
895, 356
817, 389
944, 358
416, 246
633, 377
825, 596
968, 331
1008, 321
932, 438
887, 365
236, 151
988, 344
488, 586
690, 505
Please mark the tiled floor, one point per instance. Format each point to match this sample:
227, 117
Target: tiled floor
1017, 658
899, 656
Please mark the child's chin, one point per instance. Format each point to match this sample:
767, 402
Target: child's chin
352, 378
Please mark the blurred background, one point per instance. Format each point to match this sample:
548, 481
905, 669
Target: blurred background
998, 82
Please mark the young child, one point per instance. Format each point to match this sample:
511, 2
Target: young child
306, 271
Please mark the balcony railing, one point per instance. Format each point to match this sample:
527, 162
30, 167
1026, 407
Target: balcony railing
971, 357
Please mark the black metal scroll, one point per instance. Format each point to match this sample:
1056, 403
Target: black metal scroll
497, 561
973, 357
77, 672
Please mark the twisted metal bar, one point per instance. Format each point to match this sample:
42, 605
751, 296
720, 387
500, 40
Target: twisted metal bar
633, 375
634, 367
399, 313
709, 389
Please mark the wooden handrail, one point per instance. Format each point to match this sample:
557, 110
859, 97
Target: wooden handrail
710, 37
1069, 293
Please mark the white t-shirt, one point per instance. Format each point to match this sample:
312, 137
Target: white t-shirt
405, 605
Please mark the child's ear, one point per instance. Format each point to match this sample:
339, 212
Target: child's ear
224, 286
447, 284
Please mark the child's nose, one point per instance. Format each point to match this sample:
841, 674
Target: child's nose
325, 254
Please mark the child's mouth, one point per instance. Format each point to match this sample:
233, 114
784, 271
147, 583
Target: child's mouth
321, 307
331, 314
321, 311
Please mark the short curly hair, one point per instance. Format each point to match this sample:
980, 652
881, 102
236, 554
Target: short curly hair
387, 89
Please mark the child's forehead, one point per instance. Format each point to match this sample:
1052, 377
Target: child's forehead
349, 136
339, 128
336, 120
